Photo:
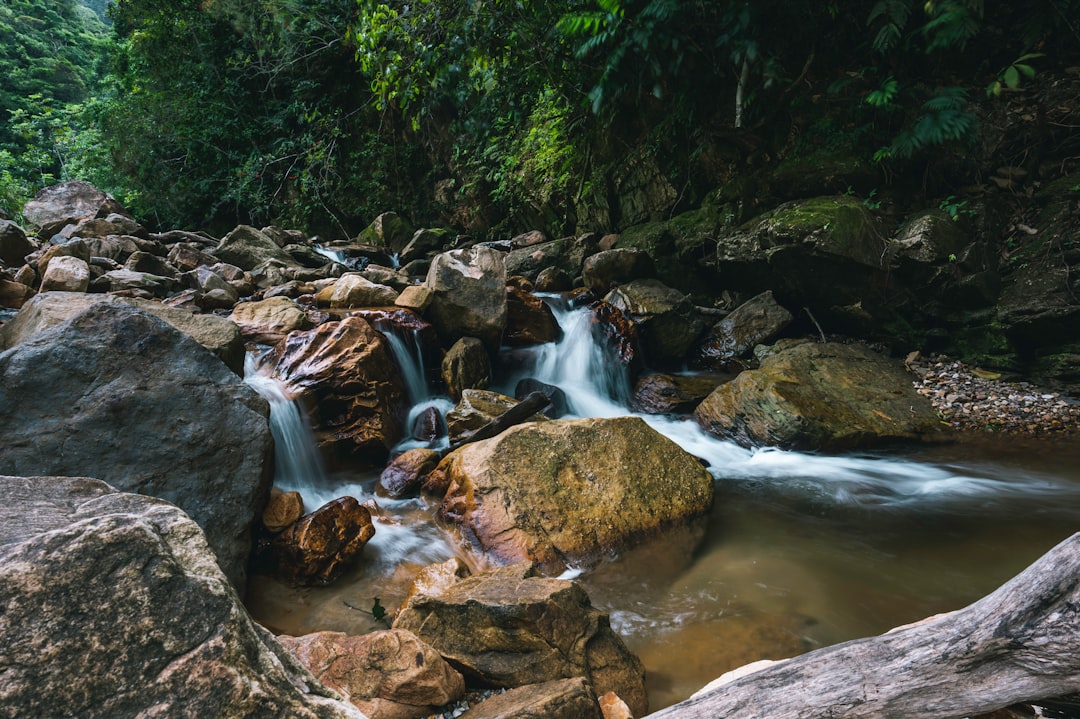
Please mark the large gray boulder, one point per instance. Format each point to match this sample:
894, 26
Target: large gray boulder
118, 394
114, 607
58, 205
468, 295
667, 322
247, 247
217, 334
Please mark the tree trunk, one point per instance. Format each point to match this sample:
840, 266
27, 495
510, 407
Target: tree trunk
1019, 644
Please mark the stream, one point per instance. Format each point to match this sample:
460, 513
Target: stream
802, 550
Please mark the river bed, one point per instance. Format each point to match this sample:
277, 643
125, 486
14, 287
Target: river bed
800, 551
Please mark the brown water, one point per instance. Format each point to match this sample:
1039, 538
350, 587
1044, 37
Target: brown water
789, 563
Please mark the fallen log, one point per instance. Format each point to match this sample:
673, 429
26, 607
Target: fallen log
1019, 644
527, 407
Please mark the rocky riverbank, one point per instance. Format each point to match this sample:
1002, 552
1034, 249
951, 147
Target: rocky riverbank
971, 399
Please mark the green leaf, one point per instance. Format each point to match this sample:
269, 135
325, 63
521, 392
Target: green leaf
377, 610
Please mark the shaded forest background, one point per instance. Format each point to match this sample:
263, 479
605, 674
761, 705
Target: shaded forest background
502, 116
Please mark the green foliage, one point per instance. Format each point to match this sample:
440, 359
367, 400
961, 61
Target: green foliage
1010, 76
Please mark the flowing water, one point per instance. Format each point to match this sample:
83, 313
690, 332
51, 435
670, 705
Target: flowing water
802, 550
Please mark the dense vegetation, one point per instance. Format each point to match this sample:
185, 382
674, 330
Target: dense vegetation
503, 115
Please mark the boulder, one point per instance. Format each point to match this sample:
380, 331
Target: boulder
14, 245
344, 376
391, 278
667, 322
427, 242
669, 393
119, 248
14, 295
415, 297
558, 699
817, 252
428, 425
129, 280
529, 321
148, 262
757, 321
605, 270
507, 628
67, 202
113, 224
570, 490
619, 333
66, 274
248, 248
72, 248
553, 279
217, 334
318, 548
389, 674
389, 230
282, 509
187, 256
117, 393
819, 396
269, 321
115, 607
403, 476
468, 296
434, 579
567, 254
466, 366
355, 290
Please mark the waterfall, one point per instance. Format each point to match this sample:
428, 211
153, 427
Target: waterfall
408, 353
330, 253
597, 386
297, 463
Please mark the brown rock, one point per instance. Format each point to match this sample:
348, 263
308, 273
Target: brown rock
507, 628
283, 509
620, 332
415, 297
567, 490
66, 274
613, 707
403, 476
14, 245
355, 290
476, 408
608, 268
14, 295
343, 374
468, 295
389, 674
466, 366
57, 205
319, 547
756, 321
529, 321
434, 579
269, 321
558, 699
666, 394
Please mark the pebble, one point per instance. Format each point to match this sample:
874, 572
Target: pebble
967, 399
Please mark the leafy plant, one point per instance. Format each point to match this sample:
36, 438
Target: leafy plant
944, 118
955, 208
1010, 76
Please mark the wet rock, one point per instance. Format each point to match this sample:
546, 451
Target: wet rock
819, 396
101, 587
403, 476
466, 366
558, 404
415, 297
553, 279
529, 321
269, 321
558, 699
476, 408
613, 707
605, 270
282, 510
756, 321
66, 274
434, 579
344, 376
118, 392
667, 322
319, 547
468, 296
508, 628
670, 394
567, 254
68, 202
14, 245
304, 255
389, 674
217, 334
247, 248
428, 426
619, 333
541, 491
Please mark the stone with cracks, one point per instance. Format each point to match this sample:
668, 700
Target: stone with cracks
507, 627
58, 205
756, 321
66, 274
247, 248
117, 393
319, 547
114, 607
468, 295
269, 321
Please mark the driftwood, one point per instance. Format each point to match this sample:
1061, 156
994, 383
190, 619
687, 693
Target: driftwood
1019, 644
530, 405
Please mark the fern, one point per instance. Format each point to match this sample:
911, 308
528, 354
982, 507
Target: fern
944, 119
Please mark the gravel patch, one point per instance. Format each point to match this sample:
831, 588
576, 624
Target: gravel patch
972, 399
